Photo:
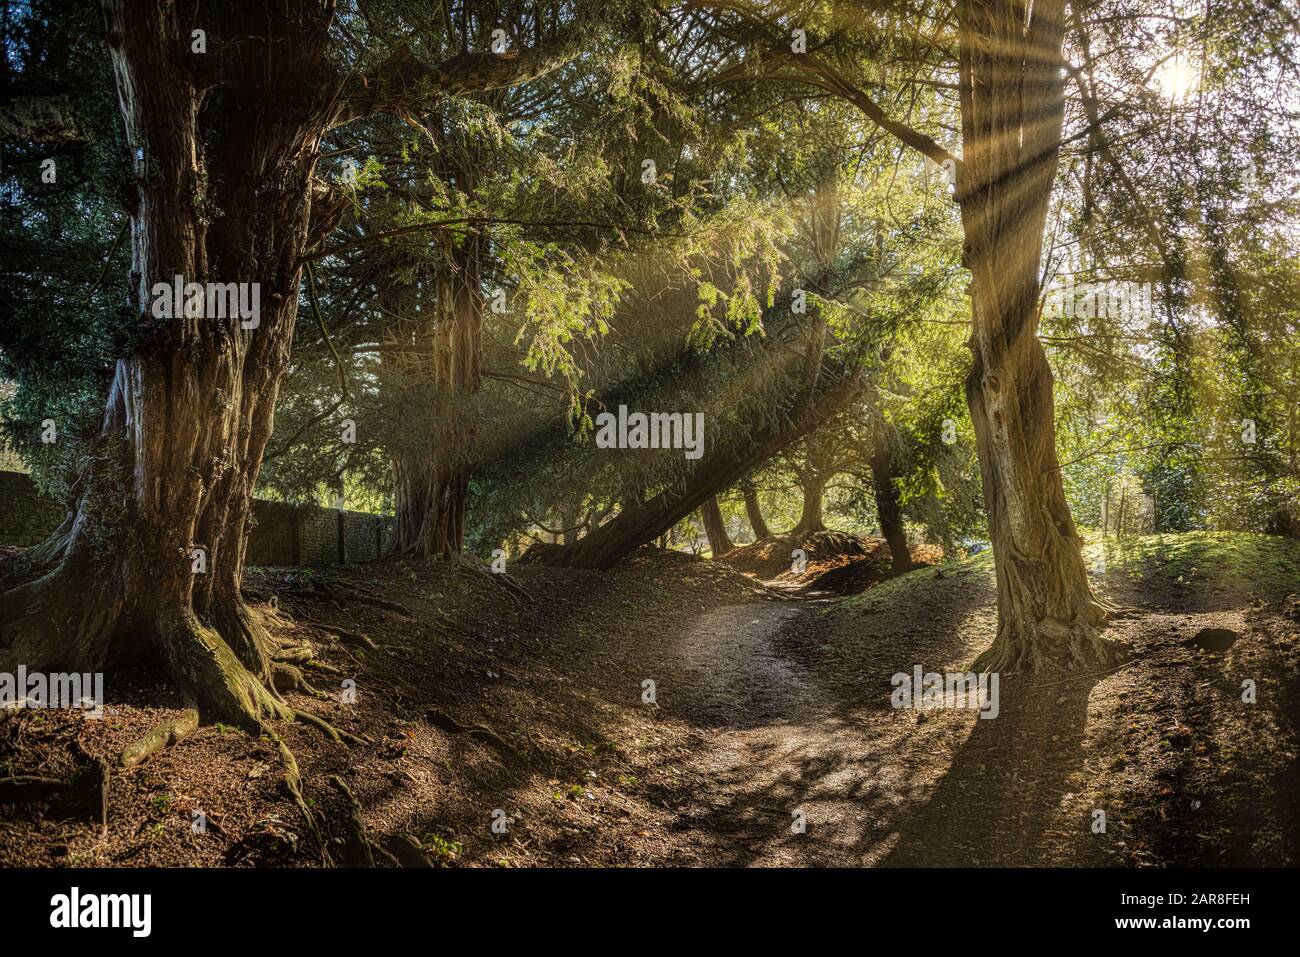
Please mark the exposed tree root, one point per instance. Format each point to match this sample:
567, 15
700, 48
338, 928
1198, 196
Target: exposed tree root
161, 736
21, 788
322, 591
327, 729
295, 654
473, 566
85, 795
293, 783
1051, 646
342, 634
286, 677
358, 849
440, 719
407, 851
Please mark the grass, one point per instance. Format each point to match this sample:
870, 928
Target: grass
1265, 566
895, 588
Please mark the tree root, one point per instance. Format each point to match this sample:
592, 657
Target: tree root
293, 783
285, 677
358, 849
342, 634
474, 567
440, 719
21, 788
1050, 647
407, 851
160, 736
84, 795
327, 729
322, 591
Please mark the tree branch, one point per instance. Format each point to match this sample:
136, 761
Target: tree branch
402, 84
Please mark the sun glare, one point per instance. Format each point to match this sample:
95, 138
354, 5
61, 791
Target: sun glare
1177, 79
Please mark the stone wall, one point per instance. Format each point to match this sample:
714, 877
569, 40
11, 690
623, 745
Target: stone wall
281, 534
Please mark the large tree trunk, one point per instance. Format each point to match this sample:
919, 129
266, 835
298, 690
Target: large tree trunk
887, 504
715, 527
458, 368
755, 512
720, 468
1012, 95
431, 475
223, 196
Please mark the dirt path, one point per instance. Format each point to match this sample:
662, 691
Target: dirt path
777, 753
791, 721
765, 708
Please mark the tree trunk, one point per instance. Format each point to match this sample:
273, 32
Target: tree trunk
407, 388
810, 518
223, 196
887, 504
715, 527
435, 357
755, 513
1012, 95
458, 365
720, 468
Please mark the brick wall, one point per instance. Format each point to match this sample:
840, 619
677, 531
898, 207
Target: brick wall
281, 534
26, 516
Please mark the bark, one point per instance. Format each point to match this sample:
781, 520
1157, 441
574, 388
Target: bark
458, 376
1012, 98
407, 386
431, 479
755, 513
720, 468
887, 503
223, 196
715, 527
810, 517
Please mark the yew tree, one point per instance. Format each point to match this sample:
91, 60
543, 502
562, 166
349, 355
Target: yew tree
997, 67
224, 108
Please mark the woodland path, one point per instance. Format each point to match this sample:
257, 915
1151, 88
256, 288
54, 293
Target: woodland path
774, 745
791, 715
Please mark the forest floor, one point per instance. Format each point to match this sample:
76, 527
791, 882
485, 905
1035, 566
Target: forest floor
768, 710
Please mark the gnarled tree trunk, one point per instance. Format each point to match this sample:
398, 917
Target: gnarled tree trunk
458, 375
431, 473
887, 504
1012, 94
223, 197
810, 517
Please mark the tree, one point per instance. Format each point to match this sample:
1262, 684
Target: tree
715, 527
753, 510
224, 145
1010, 87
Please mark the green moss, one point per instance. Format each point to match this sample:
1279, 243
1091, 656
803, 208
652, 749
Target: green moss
896, 588
1267, 566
